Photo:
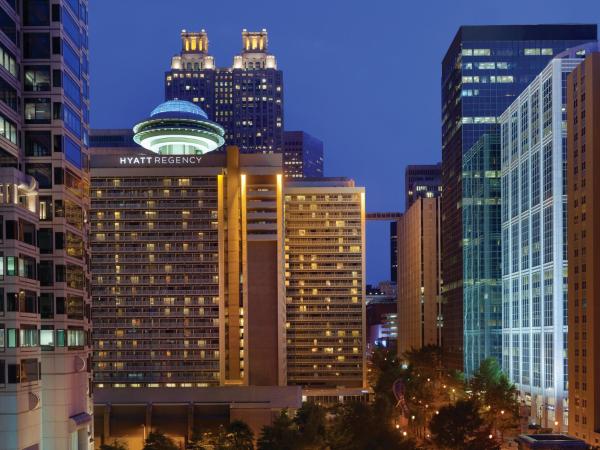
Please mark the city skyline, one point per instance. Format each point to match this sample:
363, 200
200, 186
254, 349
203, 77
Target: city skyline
316, 55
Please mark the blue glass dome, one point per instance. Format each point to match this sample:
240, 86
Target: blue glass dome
173, 108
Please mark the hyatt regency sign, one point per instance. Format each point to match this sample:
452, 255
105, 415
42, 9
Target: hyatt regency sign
160, 160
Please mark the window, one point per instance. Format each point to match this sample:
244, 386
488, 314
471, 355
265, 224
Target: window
515, 247
47, 305
548, 235
30, 370
504, 141
548, 299
515, 303
28, 336
71, 27
525, 243
72, 90
535, 118
38, 143
547, 181
36, 12
73, 152
46, 273
37, 78
8, 95
72, 120
42, 173
535, 179
525, 185
536, 352
71, 59
37, 110
8, 26
36, 45
505, 207
75, 307
536, 299
8, 129
547, 107
45, 240
75, 337
47, 337
514, 192
515, 356
525, 313
8, 61
525, 359
505, 255
535, 239
549, 359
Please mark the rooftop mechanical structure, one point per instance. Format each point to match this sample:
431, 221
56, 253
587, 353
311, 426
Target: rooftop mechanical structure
178, 127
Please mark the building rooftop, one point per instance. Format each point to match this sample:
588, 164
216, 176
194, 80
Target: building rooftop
176, 107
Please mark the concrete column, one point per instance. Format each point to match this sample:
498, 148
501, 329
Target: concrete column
148, 422
190, 420
106, 428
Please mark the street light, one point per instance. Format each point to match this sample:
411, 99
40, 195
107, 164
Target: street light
144, 428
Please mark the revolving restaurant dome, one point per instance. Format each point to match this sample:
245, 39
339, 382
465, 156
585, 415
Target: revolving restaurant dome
178, 127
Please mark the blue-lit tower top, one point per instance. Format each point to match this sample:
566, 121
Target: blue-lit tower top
178, 127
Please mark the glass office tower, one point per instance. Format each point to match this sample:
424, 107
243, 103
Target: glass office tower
484, 70
534, 242
45, 395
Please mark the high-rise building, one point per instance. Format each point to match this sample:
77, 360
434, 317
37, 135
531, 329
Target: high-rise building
325, 283
422, 181
302, 155
534, 242
583, 191
483, 71
419, 281
189, 279
246, 98
45, 395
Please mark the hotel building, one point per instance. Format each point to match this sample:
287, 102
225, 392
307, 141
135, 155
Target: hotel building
325, 283
483, 71
583, 189
45, 389
419, 281
534, 242
190, 280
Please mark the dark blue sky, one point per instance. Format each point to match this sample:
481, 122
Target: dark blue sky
361, 75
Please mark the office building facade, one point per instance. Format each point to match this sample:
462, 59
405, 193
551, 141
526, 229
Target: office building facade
419, 281
483, 71
422, 181
246, 98
45, 394
302, 155
534, 243
325, 283
583, 191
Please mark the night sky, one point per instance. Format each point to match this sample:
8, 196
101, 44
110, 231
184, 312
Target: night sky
363, 76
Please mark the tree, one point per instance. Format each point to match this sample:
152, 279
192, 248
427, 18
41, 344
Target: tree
497, 396
281, 435
459, 426
240, 436
356, 426
159, 441
310, 420
116, 445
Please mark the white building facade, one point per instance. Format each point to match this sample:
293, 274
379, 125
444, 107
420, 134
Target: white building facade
534, 255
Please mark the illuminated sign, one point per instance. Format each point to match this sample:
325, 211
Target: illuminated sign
162, 160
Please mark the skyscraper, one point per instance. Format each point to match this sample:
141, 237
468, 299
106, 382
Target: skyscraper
246, 98
483, 71
302, 155
192, 268
422, 181
45, 398
325, 284
419, 281
534, 242
583, 192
